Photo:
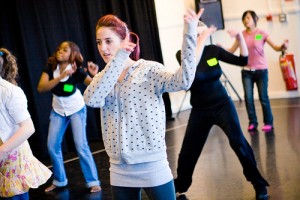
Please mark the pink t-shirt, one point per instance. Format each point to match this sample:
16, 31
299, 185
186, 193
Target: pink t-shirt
255, 42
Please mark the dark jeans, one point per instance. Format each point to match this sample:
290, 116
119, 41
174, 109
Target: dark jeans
199, 125
260, 77
24, 196
162, 192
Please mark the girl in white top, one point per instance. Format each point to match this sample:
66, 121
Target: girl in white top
61, 77
19, 169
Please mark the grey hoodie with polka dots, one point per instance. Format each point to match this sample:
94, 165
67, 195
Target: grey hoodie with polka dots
132, 111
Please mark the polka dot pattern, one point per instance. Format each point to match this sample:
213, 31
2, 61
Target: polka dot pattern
133, 112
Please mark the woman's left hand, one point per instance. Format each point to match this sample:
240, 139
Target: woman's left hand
285, 45
92, 68
191, 16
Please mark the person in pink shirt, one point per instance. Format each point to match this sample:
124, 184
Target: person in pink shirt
256, 71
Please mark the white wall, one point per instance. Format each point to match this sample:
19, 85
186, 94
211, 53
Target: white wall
170, 21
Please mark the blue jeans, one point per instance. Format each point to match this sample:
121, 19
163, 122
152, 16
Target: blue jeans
24, 196
57, 127
260, 78
162, 192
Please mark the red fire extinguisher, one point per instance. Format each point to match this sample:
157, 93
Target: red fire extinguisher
287, 65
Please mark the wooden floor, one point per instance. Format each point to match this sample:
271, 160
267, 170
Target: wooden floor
218, 174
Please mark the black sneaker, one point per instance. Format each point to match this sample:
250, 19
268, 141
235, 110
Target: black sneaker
181, 197
170, 118
261, 192
181, 186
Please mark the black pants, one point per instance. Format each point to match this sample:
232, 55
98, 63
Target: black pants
199, 125
167, 101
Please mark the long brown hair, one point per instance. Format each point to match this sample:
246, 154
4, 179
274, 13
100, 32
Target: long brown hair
75, 56
8, 66
121, 29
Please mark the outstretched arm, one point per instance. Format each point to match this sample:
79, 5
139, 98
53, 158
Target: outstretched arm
239, 42
281, 47
234, 47
201, 41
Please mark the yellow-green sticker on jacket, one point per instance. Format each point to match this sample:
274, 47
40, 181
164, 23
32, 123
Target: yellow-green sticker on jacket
212, 62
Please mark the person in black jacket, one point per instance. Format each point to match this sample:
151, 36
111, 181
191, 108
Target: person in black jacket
211, 105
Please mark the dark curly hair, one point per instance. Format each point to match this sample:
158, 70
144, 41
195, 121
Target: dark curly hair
74, 57
8, 66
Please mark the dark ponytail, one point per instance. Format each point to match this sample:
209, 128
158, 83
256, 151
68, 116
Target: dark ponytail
253, 15
134, 38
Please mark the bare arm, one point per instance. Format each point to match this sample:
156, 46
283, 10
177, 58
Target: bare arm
25, 130
281, 47
234, 47
201, 41
46, 85
239, 42
93, 70
88, 80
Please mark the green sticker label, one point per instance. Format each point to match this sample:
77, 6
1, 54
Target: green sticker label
258, 37
212, 62
68, 88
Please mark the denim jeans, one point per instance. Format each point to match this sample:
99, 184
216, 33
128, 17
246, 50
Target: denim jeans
162, 192
24, 196
57, 127
260, 78
200, 122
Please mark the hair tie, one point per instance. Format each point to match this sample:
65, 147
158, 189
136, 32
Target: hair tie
1, 53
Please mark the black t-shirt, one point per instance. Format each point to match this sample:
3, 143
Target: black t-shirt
207, 91
68, 87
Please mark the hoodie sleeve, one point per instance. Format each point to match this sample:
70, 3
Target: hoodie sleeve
104, 82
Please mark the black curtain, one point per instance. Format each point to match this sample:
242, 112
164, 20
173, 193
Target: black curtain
32, 29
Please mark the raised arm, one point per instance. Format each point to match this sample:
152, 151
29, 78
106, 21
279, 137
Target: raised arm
93, 69
234, 46
202, 37
103, 82
46, 85
239, 42
188, 56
